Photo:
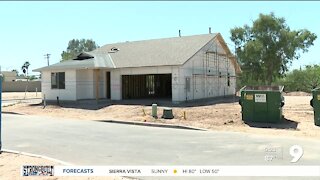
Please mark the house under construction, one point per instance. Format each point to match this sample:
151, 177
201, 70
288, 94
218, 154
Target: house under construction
180, 69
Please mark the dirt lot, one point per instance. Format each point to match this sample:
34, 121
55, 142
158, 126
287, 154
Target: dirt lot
10, 168
217, 115
20, 95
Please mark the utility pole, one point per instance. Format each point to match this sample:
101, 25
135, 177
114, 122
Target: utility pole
47, 56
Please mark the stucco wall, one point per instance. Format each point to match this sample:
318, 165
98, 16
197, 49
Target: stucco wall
69, 93
102, 83
116, 91
80, 84
85, 84
21, 86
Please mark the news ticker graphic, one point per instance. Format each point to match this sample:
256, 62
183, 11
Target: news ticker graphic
170, 170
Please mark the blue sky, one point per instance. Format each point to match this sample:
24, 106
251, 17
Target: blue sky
31, 29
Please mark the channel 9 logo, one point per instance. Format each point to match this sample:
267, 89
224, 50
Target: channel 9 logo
37, 170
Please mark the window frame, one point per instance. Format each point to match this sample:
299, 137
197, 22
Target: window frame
57, 76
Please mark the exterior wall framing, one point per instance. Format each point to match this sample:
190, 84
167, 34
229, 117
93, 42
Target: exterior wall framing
208, 71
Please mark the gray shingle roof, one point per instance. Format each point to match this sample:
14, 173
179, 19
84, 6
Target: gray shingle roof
156, 52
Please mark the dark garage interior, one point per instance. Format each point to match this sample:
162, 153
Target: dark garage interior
146, 86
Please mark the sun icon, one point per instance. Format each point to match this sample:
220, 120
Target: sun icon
175, 171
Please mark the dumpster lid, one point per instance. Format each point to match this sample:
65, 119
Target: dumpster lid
263, 88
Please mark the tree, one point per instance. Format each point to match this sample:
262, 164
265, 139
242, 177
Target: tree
266, 49
304, 79
76, 47
25, 68
32, 77
311, 77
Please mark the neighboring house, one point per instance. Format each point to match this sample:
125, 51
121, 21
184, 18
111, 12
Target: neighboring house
180, 69
9, 75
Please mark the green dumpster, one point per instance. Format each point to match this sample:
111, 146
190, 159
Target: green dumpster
261, 103
315, 103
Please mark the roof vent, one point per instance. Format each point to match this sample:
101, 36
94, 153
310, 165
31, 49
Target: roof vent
83, 56
113, 50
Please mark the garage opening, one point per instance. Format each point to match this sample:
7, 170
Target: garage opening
146, 86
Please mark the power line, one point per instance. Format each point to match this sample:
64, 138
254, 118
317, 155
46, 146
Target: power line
47, 56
